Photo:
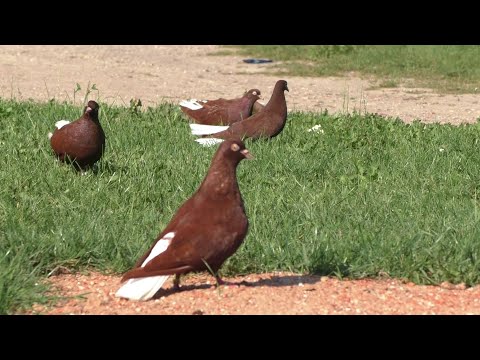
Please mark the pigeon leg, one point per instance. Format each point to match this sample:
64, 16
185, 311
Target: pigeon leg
219, 280
176, 282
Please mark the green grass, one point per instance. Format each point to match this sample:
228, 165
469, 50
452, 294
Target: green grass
453, 68
369, 196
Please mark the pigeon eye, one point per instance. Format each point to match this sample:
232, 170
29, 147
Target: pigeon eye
235, 147
254, 93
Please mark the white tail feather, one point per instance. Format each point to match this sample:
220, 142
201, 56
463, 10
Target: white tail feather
192, 104
209, 141
142, 288
160, 247
61, 123
145, 288
200, 129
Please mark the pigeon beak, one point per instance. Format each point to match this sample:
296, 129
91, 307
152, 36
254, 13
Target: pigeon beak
247, 154
88, 109
286, 88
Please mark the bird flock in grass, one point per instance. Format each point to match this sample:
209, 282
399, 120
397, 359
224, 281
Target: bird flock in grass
191, 241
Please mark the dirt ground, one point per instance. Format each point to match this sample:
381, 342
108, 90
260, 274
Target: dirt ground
170, 73
270, 294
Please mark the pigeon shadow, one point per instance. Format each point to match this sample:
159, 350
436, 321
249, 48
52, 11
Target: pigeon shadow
272, 281
283, 280
108, 168
169, 291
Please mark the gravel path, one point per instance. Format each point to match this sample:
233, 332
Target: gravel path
277, 293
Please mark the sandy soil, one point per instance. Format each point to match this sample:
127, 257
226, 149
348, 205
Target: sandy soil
277, 293
170, 73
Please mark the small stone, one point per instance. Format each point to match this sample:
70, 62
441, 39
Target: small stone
461, 286
447, 285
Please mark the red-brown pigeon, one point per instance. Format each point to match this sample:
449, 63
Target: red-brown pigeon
220, 111
205, 231
81, 142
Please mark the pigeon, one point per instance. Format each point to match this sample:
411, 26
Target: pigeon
81, 142
206, 230
267, 123
220, 111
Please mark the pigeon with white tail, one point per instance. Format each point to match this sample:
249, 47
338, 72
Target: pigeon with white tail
205, 231
220, 111
267, 123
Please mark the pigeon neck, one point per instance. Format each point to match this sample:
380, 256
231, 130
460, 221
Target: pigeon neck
92, 117
221, 178
249, 101
277, 101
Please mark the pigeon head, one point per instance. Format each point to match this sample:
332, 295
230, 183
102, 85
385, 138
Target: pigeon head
92, 109
234, 149
253, 94
282, 84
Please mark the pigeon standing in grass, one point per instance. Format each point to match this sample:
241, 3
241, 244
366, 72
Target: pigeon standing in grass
205, 231
220, 111
267, 123
81, 142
